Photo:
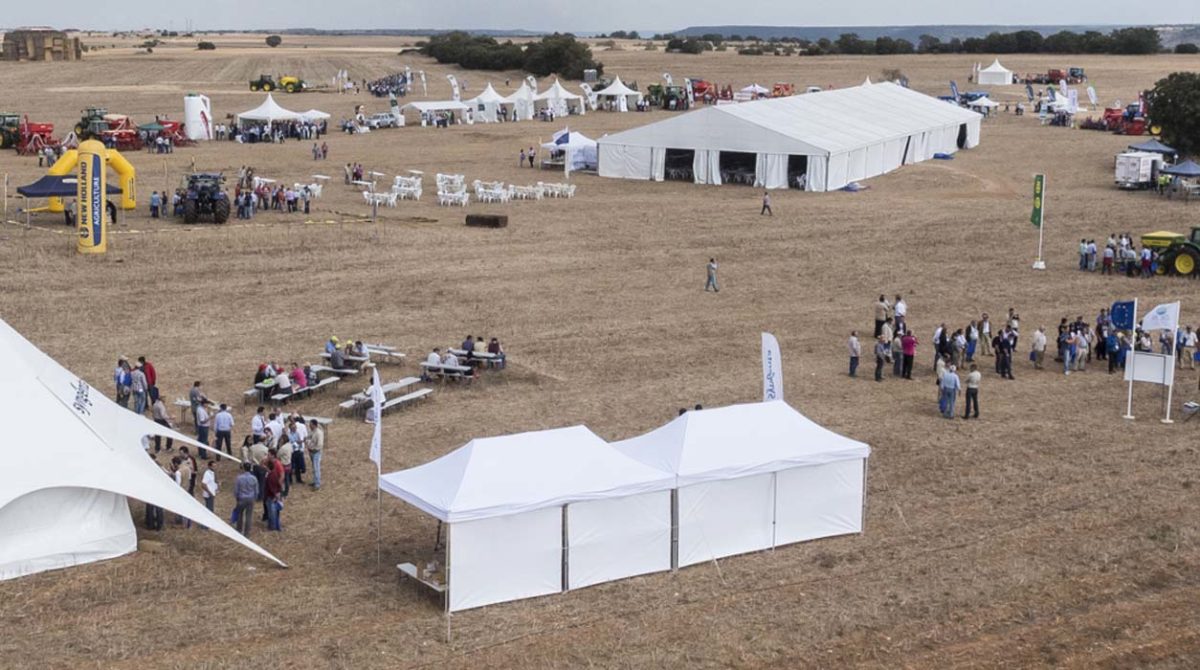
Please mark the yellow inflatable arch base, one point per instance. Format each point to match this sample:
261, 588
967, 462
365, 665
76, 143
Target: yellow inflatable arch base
126, 174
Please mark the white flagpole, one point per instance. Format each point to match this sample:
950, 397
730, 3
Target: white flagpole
1132, 358
1171, 387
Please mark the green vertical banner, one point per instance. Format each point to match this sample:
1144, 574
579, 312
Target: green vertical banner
1039, 185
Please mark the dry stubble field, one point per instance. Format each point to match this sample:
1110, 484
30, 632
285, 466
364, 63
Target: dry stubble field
1049, 533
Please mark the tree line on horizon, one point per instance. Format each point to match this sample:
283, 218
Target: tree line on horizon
1121, 41
559, 54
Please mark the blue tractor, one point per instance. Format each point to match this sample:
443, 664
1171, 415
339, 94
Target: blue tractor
205, 198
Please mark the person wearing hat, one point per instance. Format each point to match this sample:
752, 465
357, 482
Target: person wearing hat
332, 345
138, 386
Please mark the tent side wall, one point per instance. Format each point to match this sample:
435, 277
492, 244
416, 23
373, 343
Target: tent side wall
505, 558
618, 538
819, 501
622, 161
725, 517
58, 528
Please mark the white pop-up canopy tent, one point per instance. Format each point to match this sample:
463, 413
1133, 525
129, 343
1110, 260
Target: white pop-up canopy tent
621, 94
995, 75
268, 112
539, 513
755, 476
71, 458
579, 150
314, 115
427, 107
522, 101
487, 103
831, 138
559, 100
754, 90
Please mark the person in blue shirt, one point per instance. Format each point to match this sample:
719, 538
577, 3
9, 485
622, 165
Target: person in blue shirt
155, 204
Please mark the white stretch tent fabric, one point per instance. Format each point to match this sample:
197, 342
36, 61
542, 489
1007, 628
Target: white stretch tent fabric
487, 103
522, 101
506, 500
559, 100
579, 149
314, 115
621, 94
995, 75
845, 135
754, 476
269, 112
71, 457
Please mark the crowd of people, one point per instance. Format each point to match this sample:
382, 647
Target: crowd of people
1077, 343
393, 84
279, 132
1119, 256
473, 347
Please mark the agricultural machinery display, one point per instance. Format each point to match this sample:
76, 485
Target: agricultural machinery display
205, 198
17, 132
1178, 254
266, 83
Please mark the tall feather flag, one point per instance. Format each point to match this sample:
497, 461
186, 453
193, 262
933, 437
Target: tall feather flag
376, 454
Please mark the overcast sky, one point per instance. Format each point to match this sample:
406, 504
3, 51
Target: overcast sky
581, 16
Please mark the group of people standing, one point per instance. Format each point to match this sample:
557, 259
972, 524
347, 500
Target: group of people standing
1119, 256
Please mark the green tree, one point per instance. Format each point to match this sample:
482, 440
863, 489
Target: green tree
1137, 41
1187, 48
1175, 105
206, 46
274, 41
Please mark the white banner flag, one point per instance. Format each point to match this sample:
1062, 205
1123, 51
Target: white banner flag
454, 92
772, 368
1163, 317
1150, 368
377, 407
1091, 91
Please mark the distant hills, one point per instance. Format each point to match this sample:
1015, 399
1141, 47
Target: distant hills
1171, 35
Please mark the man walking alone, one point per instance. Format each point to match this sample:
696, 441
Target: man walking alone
711, 282
973, 378
766, 208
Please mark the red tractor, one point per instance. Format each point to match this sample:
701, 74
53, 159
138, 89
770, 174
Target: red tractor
35, 137
704, 91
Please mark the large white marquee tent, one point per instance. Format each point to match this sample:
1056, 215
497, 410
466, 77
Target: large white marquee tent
559, 100
828, 139
549, 511
487, 103
270, 112
71, 458
621, 95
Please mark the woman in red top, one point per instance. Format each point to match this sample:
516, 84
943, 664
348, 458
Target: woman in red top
908, 345
273, 487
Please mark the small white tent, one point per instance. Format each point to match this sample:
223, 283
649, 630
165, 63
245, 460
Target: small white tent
621, 95
559, 100
487, 103
753, 477
71, 458
522, 101
579, 150
755, 91
539, 513
314, 115
995, 75
268, 112
429, 110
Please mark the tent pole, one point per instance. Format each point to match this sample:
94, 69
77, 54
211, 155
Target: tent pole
446, 591
1172, 362
566, 553
774, 506
6, 197
1132, 359
863, 523
674, 530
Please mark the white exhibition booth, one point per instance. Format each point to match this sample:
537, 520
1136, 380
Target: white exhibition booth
995, 75
269, 112
822, 141
488, 104
428, 112
620, 96
522, 101
559, 100
579, 150
549, 511
72, 458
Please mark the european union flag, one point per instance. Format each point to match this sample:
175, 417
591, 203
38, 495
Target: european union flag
1122, 315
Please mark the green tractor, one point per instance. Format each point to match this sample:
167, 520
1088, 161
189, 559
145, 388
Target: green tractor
10, 130
264, 83
667, 97
92, 123
1178, 254
205, 197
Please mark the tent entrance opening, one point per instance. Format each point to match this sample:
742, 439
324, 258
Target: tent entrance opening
962, 136
738, 167
679, 163
797, 172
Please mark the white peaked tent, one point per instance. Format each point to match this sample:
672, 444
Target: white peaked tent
268, 112
579, 149
621, 94
539, 513
831, 137
559, 100
71, 458
522, 101
755, 476
487, 103
995, 75
314, 115
754, 90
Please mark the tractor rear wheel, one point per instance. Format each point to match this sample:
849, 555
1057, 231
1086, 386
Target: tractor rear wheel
1185, 262
254, 86
221, 211
190, 213
291, 88
267, 86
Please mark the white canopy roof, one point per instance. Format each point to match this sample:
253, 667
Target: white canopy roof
436, 106
997, 68
71, 449
499, 476
314, 115
822, 123
755, 89
523, 93
617, 88
488, 94
269, 111
984, 102
569, 139
557, 92
738, 441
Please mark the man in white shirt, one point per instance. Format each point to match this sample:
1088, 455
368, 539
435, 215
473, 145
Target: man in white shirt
900, 312
450, 359
258, 424
276, 425
283, 383
1187, 350
434, 357
1039, 347
203, 423
855, 351
209, 486
223, 423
